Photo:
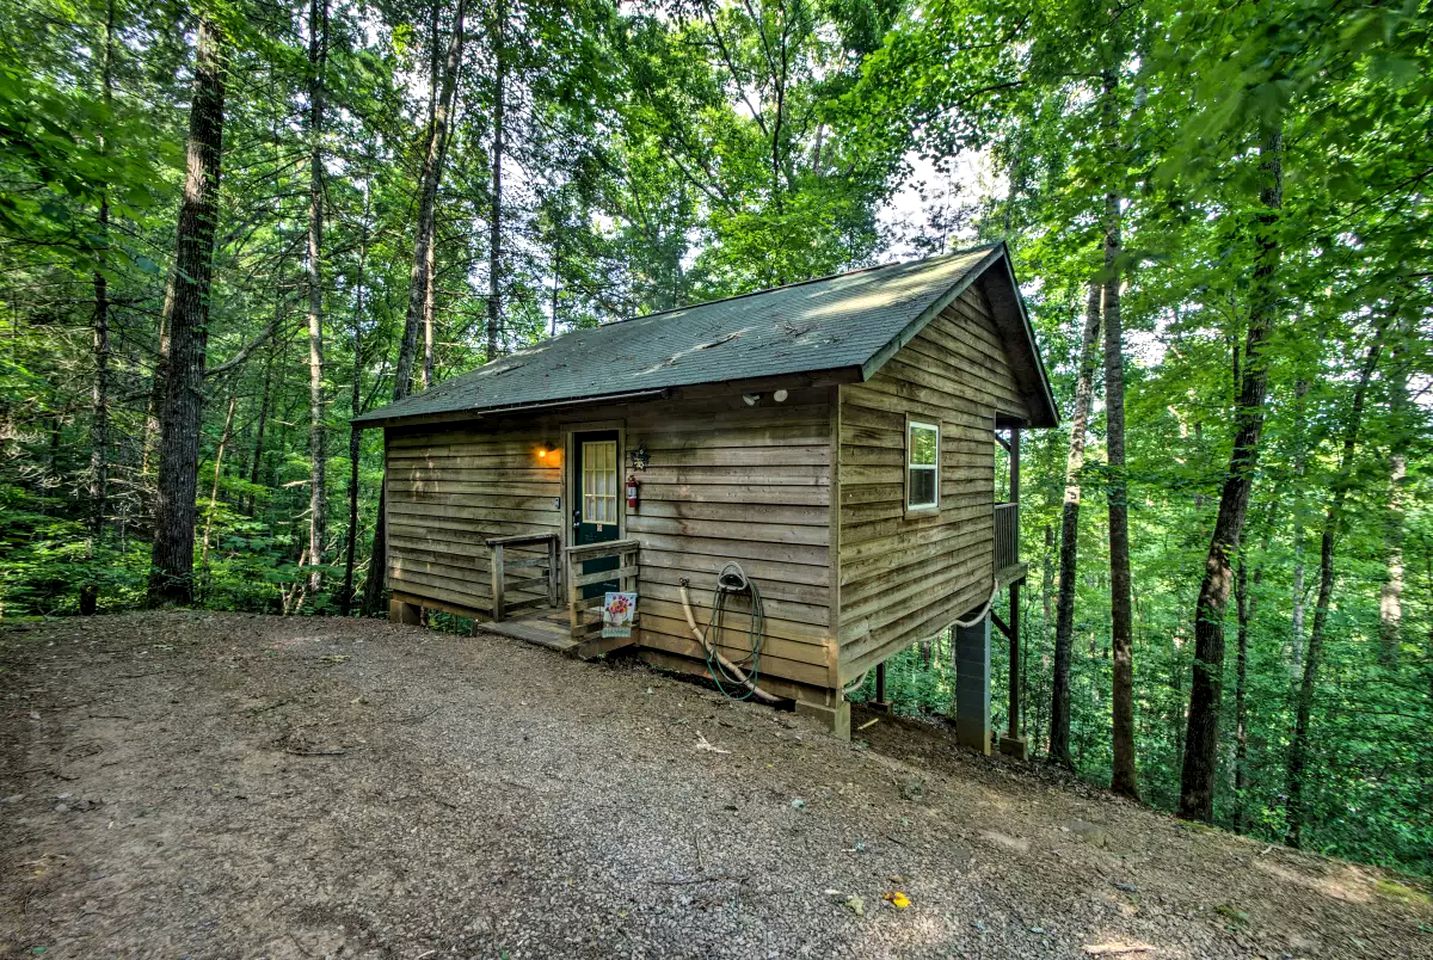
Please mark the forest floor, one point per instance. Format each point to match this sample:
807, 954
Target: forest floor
222, 785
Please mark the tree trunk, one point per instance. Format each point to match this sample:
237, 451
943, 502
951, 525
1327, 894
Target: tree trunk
1124, 779
354, 434
430, 175
1333, 517
1390, 600
429, 318
556, 281
318, 440
149, 448
428, 181
1069, 534
1201, 741
171, 577
1241, 731
98, 486
1301, 460
224, 438
495, 239
256, 464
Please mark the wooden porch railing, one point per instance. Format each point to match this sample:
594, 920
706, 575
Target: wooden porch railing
533, 554
581, 609
1007, 535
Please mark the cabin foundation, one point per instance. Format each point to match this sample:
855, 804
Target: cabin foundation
835, 714
400, 611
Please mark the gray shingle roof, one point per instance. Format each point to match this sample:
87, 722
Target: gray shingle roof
852, 320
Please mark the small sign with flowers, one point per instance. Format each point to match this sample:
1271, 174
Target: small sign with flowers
618, 611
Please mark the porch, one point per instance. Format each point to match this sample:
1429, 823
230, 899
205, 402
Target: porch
529, 572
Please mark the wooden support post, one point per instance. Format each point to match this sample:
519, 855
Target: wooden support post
400, 611
497, 563
834, 712
880, 703
1012, 743
1013, 727
972, 685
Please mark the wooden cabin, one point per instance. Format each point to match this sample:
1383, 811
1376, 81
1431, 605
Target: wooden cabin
836, 438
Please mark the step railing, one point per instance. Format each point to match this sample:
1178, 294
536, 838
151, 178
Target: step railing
532, 558
1007, 535
581, 609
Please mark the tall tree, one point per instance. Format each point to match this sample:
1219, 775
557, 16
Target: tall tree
1201, 739
318, 439
429, 178
1244, 612
355, 436
1070, 529
1390, 601
1301, 464
1124, 779
171, 577
100, 397
1333, 519
495, 225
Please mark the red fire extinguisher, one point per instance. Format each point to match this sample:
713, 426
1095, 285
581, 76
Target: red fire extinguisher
632, 486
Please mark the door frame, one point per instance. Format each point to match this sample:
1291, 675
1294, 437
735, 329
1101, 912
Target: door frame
572, 484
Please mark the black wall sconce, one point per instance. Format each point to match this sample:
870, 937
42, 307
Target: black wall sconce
638, 458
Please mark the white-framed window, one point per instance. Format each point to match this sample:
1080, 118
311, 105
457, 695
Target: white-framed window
922, 465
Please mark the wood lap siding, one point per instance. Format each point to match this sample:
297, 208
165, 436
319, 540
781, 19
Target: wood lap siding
729, 481
726, 481
904, 578
448, 492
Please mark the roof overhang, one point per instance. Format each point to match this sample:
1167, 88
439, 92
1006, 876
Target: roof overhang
996, 278
447, 416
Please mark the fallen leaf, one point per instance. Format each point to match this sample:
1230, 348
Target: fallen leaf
897, 899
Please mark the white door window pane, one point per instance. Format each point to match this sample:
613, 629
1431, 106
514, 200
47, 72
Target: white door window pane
599, 482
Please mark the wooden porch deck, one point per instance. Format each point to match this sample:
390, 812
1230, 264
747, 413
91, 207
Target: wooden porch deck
544, 627
527, 609
552, 628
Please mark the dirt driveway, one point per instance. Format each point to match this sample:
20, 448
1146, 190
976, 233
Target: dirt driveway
207, 785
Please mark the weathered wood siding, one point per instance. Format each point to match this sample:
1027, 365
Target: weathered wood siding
905, 577
726, 481
450, 490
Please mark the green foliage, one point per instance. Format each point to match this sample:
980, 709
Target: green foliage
669, 151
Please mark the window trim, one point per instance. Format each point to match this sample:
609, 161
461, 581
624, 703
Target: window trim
921, 509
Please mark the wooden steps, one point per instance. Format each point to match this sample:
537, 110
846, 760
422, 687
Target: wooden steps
551, 628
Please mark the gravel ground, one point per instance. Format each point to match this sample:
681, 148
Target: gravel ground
208, 785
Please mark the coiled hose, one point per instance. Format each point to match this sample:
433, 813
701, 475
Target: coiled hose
736, 681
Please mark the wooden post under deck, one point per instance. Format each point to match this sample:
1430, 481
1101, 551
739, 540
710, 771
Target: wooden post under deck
880, 703
1013, 729
1012, 743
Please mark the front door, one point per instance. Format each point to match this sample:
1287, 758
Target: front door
596, 485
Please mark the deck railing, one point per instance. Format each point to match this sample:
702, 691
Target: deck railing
534, 557
624, 574
1007, 535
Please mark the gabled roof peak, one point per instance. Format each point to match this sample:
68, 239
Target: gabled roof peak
851, 322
